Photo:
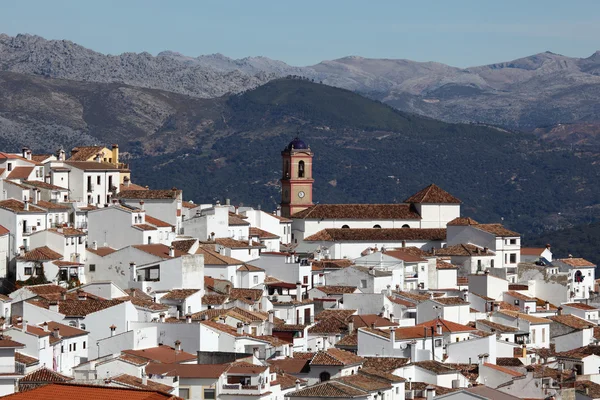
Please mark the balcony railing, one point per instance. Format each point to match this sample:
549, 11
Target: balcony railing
90, 188
28, 230
238, 388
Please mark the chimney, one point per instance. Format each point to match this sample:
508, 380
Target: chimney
99, 157
485, 249
271, 316
45, 327
56, 333
132, 272
115, 154
25, 205
142, 205
178, 345
351, 325
548, 246
559, 311
144, 379
389, 290
24, 152
392, 336
81, 295
188, 318
126, 181
547, 304
60, 155
403, 244
466, 295
94, 245
21, 251
299, 291
240, 328
53, 306
162, 316
113, 328
430, 392
439, 328
496, 306
171, 251
34, 197
297, 384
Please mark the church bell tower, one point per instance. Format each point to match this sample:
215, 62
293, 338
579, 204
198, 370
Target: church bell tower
297, 180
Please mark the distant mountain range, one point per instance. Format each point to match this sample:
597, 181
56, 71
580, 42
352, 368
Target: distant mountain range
366, 151
553, 95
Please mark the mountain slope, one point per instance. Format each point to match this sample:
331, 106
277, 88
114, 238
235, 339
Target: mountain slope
540, 91
365, 151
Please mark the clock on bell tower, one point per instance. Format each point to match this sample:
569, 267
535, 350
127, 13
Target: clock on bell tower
297, 180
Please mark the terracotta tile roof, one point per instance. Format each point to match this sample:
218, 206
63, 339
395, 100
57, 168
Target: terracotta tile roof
102, 251
179, 294
43, 185
135, 360
281, 219
20, 173
40, 157
250, 268
519, 296
66, 263
65, 330
189, 204
509, 362
336, 289
386, 364
396, 234
348, 341
44, 375
333, 389
580, 352
402, 302
370, 320
497, 229
84, 153
402, 333
157, 250
286, 381
504, 370
90, 392
432, 194
496, 327
532, 251
386, 376
8, 343
581, 306
250, 294
25, 359
67, 231
527, 317
332, 264
238, 244
135, 382
41, 254
365, 382
45, 289
149, 194
157, 222
19, 207
421, 386
373, 272
3, 231
242, 367
214, 299
184, 246
462, 221
144, 227
447, 326
591, 389
572, 321
507, 306
91, 165
440, 264
462, 281
341, 314
162, 354
330, 325
517, 286
131, 186
148, 304
404, 255
436, 367
221, 327
412, 296
235, 220
48, 205
79, 308
359, 211
289, 328
465, 250
262, 234
451, 301
291, 365
577, 262
211, 257
200, 371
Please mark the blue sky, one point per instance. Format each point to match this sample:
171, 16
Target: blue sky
459, 32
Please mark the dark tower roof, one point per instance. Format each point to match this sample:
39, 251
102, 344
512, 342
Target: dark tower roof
296, 144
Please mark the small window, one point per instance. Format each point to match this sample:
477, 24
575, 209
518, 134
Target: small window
74, 346
62, 348
209, 393
305, 280
10, 166
82, 326
377, 226
438, 342
363, 283
513, 258
492, 263
185, 393
255, 279
28, 271
98, 180
406, 226
92, 267
516, 302
324, 376
301, 169
513, 241
345, 227
72, 323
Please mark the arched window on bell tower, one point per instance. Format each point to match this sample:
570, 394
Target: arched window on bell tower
301, 169
286, 171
